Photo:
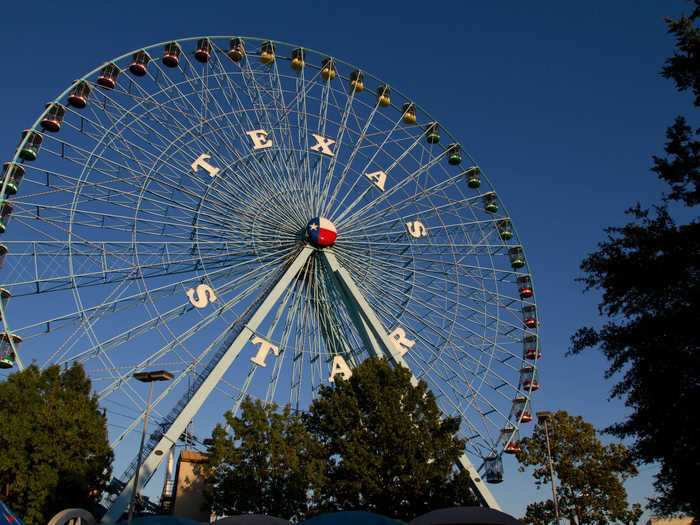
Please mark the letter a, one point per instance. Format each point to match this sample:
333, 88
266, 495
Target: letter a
323, 145
378, 178
259, 138
339, 366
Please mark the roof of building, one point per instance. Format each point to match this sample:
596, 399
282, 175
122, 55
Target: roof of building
193, 456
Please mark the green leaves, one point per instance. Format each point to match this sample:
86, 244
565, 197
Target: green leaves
54, 441
373, 442
270, 465
391, 450
590, 475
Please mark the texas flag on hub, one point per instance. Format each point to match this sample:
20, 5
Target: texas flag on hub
7, 517
321, 232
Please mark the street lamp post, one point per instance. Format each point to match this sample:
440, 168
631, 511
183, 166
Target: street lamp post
543, 417
150, 378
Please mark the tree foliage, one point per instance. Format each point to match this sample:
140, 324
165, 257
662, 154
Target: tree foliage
589, 474
649, 273
53, 437
270, 464
390, 450
374, 442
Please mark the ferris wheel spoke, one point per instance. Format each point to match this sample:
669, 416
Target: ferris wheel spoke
110, 262
404, 299
169, 121
400, 185
410, 205
448, 291
303, 137
409, 301
284, 340
254, 93
177, 341
466, 340
180, 416
97, 184
339, 338
380, 331
193, 114
200, 139
415, 141
339, 144
353, 154
427, 366
114, 305
255, 275
232, 98
165, 395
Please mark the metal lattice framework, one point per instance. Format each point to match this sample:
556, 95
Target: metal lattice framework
156, 216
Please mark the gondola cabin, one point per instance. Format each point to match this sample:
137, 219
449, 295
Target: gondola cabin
267, 53
493, 469
517, 257
505, 229
528, 378
525, 286
490, 203
409, 113
454, 154
79, 95
53, 117
511, 438
357, 81
171, 54
139, 63
298, 58
108, 76
4, 298
8, 344
328, 71
521, 410
474, 177
5, 214
530, 316
12, 175
432, 133
30, 145
236, 50
384, 96
3, 254
202, 52
531, 349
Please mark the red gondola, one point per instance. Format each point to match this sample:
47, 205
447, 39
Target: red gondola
108, 76
139, 63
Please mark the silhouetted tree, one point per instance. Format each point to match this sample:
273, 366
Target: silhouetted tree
649, 275
53, 437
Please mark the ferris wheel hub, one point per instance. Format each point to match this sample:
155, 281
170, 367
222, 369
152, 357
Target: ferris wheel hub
321, 232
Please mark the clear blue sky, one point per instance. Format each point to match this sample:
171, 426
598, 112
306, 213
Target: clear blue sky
560, 102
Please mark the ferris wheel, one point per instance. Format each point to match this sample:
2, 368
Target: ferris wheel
258, 218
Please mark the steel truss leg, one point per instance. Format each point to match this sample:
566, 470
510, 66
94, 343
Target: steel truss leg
371, 329
180, 423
